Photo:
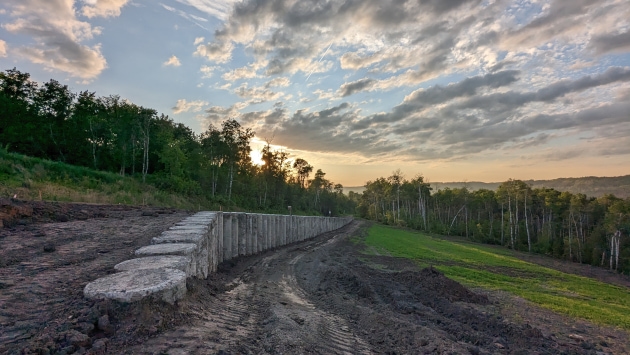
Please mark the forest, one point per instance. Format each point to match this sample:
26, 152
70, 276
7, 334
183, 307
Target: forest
108, 133
568, 226
112, 134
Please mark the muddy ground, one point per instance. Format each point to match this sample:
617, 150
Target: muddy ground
317, 297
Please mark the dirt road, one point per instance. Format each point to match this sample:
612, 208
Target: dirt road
322, 296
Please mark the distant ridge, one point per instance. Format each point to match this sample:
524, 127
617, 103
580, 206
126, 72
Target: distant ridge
590, 185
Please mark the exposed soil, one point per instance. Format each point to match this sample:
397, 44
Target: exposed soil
317, 297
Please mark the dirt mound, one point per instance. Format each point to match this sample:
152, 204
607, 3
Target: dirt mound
434, 284
411, 311
16, 212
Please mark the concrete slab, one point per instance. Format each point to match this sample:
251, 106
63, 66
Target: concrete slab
157, 262
168, 285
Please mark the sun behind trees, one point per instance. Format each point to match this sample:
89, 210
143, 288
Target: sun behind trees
115, 135
560, 224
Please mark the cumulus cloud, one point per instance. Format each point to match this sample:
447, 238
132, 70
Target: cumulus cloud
257, 94
291, 36
240, 73
278, 82
521, 74
611, 43
102, 8
57, 36
350, 88
217, 52
185, 106
172, 61
207, 71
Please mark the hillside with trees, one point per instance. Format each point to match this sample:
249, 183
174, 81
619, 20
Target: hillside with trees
112, 134
564, 225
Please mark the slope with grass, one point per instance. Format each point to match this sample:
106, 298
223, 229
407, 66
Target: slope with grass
28, 178
498, 269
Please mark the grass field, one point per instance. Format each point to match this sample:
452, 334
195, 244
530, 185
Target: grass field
490, 268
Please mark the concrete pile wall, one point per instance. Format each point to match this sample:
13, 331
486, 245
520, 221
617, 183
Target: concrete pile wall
196, 245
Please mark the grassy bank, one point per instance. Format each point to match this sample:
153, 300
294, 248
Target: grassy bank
485, 267
30, 178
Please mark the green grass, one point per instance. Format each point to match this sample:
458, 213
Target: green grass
39, 179
490, 268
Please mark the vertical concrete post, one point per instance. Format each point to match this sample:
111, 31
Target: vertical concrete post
274, 231
282, 230
234, 235
227, 236
242, 234
259, 233
219, 237
281, 240
285, 220
212, 243
291, 233
251, 235
263, 232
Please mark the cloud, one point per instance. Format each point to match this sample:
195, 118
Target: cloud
611, 43
240, 73
57, 36
472, 77
216, 8
350, 88
199, 40
172, 61
278, 82
207, 71
3, 48
102, 8
216, 52
290, 36
184, 106
562, 18
257, 94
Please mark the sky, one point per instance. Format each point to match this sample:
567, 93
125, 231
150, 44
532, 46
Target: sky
454, 90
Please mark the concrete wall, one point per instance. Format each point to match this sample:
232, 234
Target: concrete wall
240, 234
195, 246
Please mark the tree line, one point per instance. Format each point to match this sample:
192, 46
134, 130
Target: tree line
113, 134
570, 226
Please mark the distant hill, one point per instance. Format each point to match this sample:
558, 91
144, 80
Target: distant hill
590, 185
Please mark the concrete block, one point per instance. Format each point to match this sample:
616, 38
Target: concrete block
184, 249
168, 285
157, 262
199, 237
